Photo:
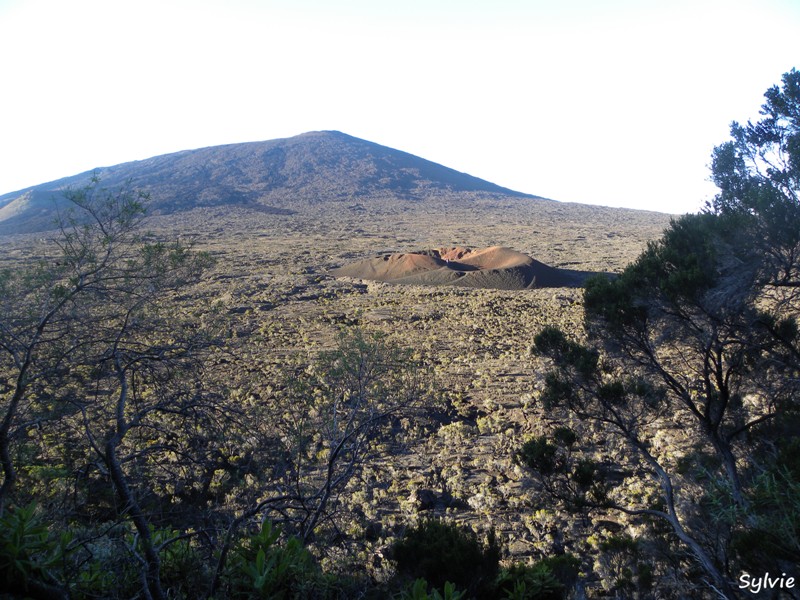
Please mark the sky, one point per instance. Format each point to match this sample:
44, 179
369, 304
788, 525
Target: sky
615, 103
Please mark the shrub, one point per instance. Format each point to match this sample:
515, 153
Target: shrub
551, 578
539, 454
442, 552
419, 591
28, 554
182, 568
520, 582
262, 568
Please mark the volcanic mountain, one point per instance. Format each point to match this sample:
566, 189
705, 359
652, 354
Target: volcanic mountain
273, 176
495, 267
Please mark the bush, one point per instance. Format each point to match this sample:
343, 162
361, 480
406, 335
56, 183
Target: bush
262, 568
182, 568
551, 578
539, 454
28, 554
519, 582
419, 591
442, 552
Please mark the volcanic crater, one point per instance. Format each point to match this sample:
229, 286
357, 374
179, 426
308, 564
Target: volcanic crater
495, 267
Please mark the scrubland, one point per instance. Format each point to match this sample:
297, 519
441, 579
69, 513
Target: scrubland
275, 309
271, 280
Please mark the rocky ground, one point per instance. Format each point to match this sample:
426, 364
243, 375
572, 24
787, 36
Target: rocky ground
273, 283
273, 279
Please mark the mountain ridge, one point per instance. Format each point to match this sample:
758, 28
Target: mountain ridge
273, 176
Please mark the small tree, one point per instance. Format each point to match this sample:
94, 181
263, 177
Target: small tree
92, 333
329, 421
337, 414
43, 307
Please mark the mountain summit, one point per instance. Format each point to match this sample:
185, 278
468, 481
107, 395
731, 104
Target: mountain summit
277, 176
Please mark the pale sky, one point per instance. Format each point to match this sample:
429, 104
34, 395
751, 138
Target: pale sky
616, 102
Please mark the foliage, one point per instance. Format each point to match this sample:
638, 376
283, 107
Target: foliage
262, 567
29, 555
622, 568
183, 570
551, 578
565, 474
338, 416
98, 356
773, 536
419, 591
442, 552
693, 351
758, 174
539, 454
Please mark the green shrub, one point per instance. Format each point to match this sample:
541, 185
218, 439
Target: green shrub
537, 582
539, 454
419, 591
442, 552
182, 569
773, 536
622, 567
564, 436
263, 568
549, 579
29, 555
564, 567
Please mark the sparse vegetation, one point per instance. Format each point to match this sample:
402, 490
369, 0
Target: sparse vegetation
217, 417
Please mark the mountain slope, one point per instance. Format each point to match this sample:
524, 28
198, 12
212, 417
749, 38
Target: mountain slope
275, 176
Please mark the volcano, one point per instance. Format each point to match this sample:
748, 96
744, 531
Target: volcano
494, 268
